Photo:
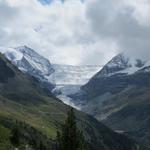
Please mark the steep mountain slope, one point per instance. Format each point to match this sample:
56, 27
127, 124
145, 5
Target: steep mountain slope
133, 114
114, 76
68, 80
24, 98
27, 60
119, 96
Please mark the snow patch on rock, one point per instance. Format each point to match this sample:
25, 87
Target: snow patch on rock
123, 64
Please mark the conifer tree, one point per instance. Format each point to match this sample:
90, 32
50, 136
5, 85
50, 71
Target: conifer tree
15, 136
70, 138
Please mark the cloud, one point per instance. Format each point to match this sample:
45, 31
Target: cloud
77, 32
59, 31
125, 22
45, 2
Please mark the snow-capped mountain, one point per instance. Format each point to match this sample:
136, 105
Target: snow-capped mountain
116, 75
123, 64
122, 74
27, 60
119, 96
66, 78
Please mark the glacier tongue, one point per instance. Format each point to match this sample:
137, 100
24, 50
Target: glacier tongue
68, 80
67, 100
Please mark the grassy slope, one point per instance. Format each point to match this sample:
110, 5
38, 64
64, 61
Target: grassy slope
4, 139
23, 98
122, 101
134, 115
127, 111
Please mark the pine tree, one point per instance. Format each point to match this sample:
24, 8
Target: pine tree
59, 141
81, 141
15, 136
70, 138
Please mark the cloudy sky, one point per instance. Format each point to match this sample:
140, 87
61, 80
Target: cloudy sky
77, 32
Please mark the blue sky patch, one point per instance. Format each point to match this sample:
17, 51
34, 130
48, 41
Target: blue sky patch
47, 2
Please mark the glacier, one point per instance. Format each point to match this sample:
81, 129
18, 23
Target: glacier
63, 79
68, 80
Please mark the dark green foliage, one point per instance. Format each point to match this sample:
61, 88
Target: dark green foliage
81, 141
71, 138
70, 132
34, 138
5, 72
22, 135
16, 134
59, 141
4, 139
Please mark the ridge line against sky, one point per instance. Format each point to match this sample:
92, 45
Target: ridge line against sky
77, 32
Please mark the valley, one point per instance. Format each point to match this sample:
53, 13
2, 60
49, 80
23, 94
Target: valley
75, 75
106, 95
69, 79
62, 80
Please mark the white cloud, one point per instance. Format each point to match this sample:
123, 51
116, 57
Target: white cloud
125, 22
74, 32
59, 31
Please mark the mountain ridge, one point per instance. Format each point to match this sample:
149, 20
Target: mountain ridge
62, 80
34, 105
116, 94
113, 79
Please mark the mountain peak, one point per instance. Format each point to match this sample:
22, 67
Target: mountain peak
28, 60
23, 47
120, 61
27, 50
122, 64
